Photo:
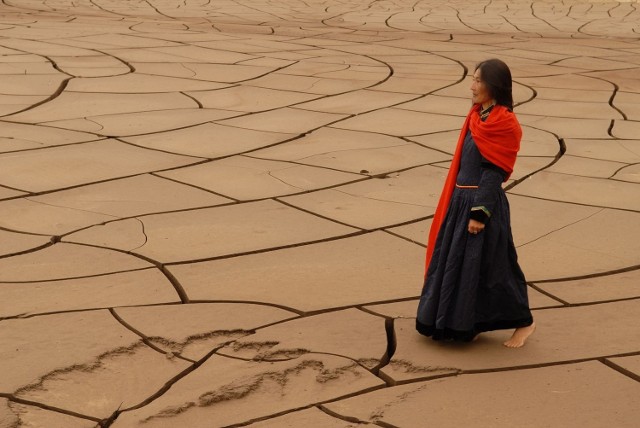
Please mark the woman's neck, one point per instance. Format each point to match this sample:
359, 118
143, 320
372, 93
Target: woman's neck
488, 104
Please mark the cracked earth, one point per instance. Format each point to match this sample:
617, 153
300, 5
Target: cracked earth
214, 213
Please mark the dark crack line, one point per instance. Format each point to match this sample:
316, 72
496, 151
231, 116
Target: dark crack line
382, 361
29, 198
534, 94
349, 419
288, 411
75, 311
267, 250
628, 373
56, 94
193, 186
549, 364
139, 216
562, 228
384, 424
533, 13
271, 174
216, 122
13, 188
80, 276
609, 11
594, 158
95, 122
360, 306
195, 100
144, 338
158, 265
93, 2
28, 251
298, 353
76, 186
289, 205
423, 245
463, 76
158, 11
12, 398
392, 345
182, 294
164, 388
462, 372
612, 126
183, 65
444, 152
129, 66
583, 304
508, 21
579, 204
616, 89
61, 87
387, 21
389, 75
41, 126
622, 168
298, 161
590, 276
287, 246
367, 175
379, 200
463, 22
144, 233
24, 315
248, 302
235, 202
544, 292
558, 156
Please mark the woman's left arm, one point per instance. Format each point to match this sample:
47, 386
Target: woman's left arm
486, 196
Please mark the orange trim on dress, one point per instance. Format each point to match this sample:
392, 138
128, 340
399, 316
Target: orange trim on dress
466, 187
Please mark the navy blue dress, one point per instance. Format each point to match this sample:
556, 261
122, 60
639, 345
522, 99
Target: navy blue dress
474, 283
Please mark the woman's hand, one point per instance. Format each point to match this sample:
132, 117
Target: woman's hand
475, 226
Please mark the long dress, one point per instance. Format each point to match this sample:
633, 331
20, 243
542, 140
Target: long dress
474, 283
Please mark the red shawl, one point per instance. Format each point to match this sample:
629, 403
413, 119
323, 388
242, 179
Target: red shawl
497, 138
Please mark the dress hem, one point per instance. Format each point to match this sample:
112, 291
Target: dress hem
469, 335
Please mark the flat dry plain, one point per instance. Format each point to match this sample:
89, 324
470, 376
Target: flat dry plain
214, 213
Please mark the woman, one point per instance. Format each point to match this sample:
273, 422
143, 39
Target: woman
473, 281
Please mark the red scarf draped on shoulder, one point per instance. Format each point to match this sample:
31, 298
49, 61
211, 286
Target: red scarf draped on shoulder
497, 138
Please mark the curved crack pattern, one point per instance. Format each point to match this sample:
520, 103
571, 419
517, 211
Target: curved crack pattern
291, 154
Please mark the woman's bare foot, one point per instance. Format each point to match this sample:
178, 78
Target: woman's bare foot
520, 336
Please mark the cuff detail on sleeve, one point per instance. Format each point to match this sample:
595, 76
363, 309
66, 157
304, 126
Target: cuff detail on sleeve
480, 214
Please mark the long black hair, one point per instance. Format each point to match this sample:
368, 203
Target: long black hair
497, 76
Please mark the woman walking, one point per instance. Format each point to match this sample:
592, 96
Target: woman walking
473, 281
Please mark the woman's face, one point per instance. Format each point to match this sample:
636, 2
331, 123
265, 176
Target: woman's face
479, 90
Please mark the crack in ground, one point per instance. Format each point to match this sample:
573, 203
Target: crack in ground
116, 218
13, 399
79, 276
423, 382
591, 275
246, 386
144, 233
561, 228
109, 421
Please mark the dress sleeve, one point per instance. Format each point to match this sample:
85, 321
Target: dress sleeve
488, 189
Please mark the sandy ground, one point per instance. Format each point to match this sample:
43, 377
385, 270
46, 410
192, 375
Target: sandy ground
214, 213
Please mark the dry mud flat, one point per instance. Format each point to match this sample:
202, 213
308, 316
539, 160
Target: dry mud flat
214, 214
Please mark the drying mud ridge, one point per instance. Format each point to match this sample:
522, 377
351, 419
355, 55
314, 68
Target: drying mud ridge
215, 213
